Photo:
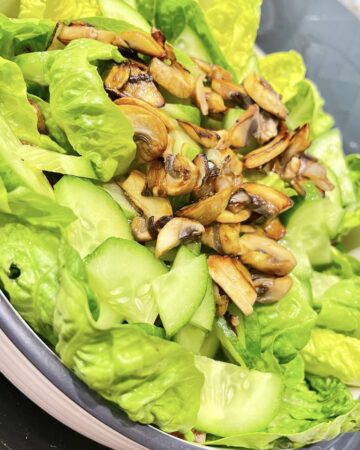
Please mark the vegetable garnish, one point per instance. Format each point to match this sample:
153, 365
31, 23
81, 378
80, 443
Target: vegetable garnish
172, 208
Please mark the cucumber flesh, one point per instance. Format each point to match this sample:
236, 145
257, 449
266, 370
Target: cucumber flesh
120, 272
118, 195
192, 338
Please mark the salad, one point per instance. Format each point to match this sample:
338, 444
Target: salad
173, 209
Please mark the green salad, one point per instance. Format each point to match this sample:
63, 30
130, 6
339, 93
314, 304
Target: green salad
174, 217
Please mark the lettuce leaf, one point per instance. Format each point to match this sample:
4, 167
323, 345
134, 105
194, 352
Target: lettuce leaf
283, 70
16, 109
23, 35
329, 353
58, 9
33, 67
234, 25
29, 272
352, 215
153, 380
95, 127
118, 9
307, 107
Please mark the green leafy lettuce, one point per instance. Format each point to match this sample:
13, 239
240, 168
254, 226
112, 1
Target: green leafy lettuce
23, 35
94, 125
283, 70
352, 215
62, 9
153, 380
330, 353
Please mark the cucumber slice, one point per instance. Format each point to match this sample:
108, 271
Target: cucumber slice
118, 195
180, 292
120, 273
183, 112
226, 415
231, 116
99, 217
188, 41
184, 144
210, 345
205, 313
191, 338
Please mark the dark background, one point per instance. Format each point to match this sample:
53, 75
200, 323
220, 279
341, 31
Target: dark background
328, 37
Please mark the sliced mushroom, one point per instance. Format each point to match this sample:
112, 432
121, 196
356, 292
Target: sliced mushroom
264, 154
158, 36
141, 42
140, 230
70, 33
117, 78
291, 169
231, 92
207, 138
41, 125
150, 132
200, 96
202, 164
181, 175
134, 187
229, 274
226, 160
267, 127
315, 172
265, 255
224, 238
214, 101
266, 200
212, 70
271, 289
222, 301
264, 95
229, 217
139, 84
175, 232
174, 77
211, 237
168, 122
238, 201
300, 141
156, 179
245, 127
274, 229
207, 210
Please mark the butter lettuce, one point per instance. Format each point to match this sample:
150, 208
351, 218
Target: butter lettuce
352, 215
58, 9
156, 380
283, 70
330, 353
94, 125
23, 35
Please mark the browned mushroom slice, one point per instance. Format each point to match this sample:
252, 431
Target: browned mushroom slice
300, 141
150, 132
266, 200
174, 77
117, 78
202, 164
264, 154
238, 201
229, 238
243, 129
252, 229
266, 255
214, 101
41, 125
207, 210
211, 237
155, 179
156, 207
175, 232
139, 42
264, 95
158, 36
267, 127
140, 230
207, 138
221, 300
315, 172
181, 175
274, 229
226, 272
140, 85
168, 122
200, 96
271, 289
226, 160
231, 92
69, 33
291, 169
229, 217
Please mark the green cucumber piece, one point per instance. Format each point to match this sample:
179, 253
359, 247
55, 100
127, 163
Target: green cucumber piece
118, 195
120, 273
226, 415
183, 112
231, 116
191, 338
180, 292
99, 216
188, 41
